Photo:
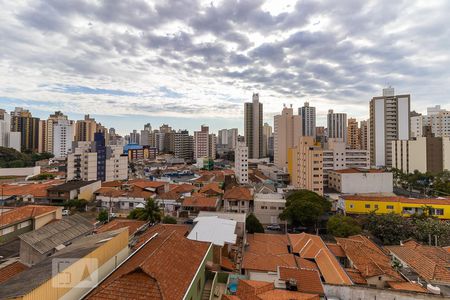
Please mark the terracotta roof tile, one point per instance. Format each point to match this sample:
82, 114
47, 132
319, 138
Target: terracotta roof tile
37, 189
429, 262
115, 183
24, 213
260, 290
308, 281
200, 201
211, 189
356, 276
312, 247
143, 184
238, 193
11, 270
407, 286
368, 257
336, 250
305, 263
133, 226
156, 267
266, 252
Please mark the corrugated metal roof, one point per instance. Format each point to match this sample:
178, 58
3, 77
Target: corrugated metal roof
54, 234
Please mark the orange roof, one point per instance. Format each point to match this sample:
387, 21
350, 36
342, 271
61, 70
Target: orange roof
227, 264
266, 252
305, 263
367, 257
200, 201
133, 225
114, 193
356, 276
427, 201
407, 286
204, 178
429, 262
238, 193
143, 184
310, 246
447, 249
11, 270
37, 189
23, 213
336, 250
211, 188
260, 290
154, 271
307, 280
355, 170
114, 183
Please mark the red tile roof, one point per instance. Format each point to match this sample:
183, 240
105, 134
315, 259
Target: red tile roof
367, 257
143, 184
132, 225
336, 250
312, 247
162, 269
37, 189
238, 193
114, 183
306, 264
308, 281
24, 213
211, 188
266, 252
200, 201
429, 262
356, 276
407, 286
11, 270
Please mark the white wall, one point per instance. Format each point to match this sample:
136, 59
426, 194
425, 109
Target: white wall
403, 118
20, 171
380, 146
354, 183
446, 153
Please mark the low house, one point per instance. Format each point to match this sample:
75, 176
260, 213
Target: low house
157, 187
38, 244
165, 265
19, 220
238, 217
34, 192
429, 264
238, 199
372, 263
261, 290
211, 189
73, 190
171, 200
268, 207
199, 202
71, 271
300, 279
122, 200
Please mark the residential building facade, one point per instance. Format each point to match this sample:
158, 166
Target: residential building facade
288, 128
308, 117
337, 125
389, 121
22, 121
241, 163
253, 127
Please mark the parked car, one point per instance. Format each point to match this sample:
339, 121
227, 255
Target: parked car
298, 229
65, 212
189, 221
112, 215
274, 227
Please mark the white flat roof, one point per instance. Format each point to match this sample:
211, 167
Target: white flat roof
215, 230
238, 217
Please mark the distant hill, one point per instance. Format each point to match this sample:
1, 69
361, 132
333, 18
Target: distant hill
10, 158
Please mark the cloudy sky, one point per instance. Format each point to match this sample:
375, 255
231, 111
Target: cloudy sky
190, 62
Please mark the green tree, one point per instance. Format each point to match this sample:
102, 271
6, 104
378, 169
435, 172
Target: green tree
102, 216
304, 208
150, 212
252, 224
169, 220
343, 226
389, 228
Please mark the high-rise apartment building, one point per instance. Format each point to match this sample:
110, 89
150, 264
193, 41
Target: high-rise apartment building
389, 121
184, 145
306, 165
241, 163
85, 129
337, 155
287, 131
96, 161
320, 135
8, 138
353, 134
22, 121
364, 135
437, 118
62, 137
267, 135
204, 143
135, 137
337, 125
253, 127
308, 114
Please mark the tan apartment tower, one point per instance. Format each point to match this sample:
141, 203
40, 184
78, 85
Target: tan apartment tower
253, 127
287, 131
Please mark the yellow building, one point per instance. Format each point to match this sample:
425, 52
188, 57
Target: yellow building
355, 204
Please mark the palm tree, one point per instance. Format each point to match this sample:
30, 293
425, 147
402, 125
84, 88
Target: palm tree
151, 212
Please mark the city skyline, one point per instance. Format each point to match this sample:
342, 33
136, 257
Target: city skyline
201, 62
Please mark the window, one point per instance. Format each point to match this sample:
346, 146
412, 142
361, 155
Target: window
390, 206
7, 230
24, 224
376, 205
367, 206
351, 206
437, 211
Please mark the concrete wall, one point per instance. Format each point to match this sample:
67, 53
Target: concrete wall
87, 192
20, 171
354, 183
45, 219
446, 153
354, 292
267, 207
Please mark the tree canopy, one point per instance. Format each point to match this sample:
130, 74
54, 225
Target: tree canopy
169, 220
343, 226
102, 215
11, 158
304, 208
252, 224
151, 212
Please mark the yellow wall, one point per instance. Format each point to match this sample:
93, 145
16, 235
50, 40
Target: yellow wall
47, 291
359, 207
